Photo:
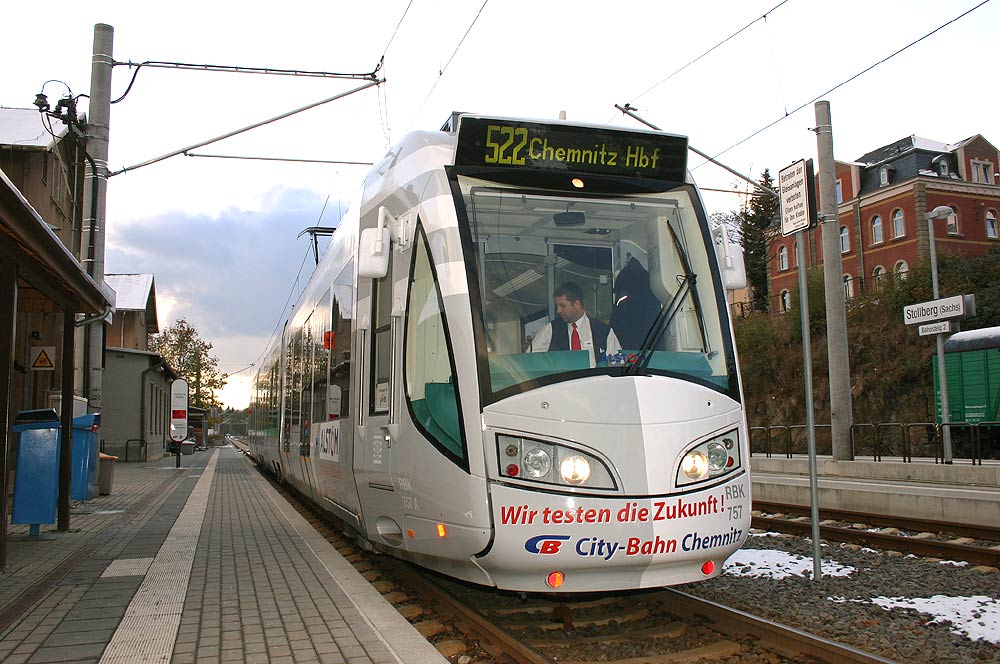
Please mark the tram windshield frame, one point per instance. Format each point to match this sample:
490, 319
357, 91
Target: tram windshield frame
640, 250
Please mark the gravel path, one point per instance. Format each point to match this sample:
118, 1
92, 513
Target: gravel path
957, 607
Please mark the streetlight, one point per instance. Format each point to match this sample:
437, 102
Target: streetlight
940, 212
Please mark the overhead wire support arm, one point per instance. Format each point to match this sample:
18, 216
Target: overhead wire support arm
255, 125
292, 159
628, 110
229, 69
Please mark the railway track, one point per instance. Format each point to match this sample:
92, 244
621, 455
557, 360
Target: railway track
665, 626
977, 545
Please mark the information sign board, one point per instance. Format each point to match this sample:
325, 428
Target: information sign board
798, 204
941, 327
178, 410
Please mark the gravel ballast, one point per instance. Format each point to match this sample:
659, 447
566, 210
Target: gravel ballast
959, 606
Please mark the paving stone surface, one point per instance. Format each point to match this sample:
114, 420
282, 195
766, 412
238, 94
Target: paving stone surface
256, 591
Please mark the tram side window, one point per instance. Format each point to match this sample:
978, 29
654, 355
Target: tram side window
430, 381
381, 344
321, 358
307, 363
341, 315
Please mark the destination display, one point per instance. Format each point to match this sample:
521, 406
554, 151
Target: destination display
554, 147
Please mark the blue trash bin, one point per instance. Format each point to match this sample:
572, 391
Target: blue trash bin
85, 451
36, 475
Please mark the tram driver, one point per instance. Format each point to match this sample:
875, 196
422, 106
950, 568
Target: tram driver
573, 329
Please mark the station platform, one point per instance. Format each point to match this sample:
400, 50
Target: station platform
919, 489
206, 563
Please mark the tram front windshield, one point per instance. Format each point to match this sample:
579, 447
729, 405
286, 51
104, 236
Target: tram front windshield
638, 263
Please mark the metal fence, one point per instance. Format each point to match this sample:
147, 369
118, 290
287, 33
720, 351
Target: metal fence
970, 441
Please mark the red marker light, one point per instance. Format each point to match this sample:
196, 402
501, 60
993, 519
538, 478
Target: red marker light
513, 470
730, 462
555, 579
708, 567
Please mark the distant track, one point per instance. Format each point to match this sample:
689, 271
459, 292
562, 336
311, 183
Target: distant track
972, 544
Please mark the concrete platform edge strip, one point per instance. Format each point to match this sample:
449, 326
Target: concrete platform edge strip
398, 635
149, 628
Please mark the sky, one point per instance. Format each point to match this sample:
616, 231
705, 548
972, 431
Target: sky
220, 235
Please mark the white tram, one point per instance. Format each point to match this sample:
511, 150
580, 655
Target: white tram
427, 391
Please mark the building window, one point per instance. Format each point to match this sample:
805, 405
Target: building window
783, 258
878, 276
901, 269
898, 223
840, 192
884, 176
991, 224
795, 254
953, 221
982, 172
942, 165
876, 229
848, 286
786, 301
845, 240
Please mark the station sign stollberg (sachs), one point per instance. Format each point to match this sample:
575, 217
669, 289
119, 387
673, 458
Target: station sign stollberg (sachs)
936, 312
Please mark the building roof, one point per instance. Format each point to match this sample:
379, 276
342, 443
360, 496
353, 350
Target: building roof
136, 292
904, 145
22, 127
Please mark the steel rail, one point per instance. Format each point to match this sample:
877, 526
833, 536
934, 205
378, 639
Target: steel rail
921, 547
492, 638
787, 641
885, 520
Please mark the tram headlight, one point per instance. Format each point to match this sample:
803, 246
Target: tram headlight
537, 463
695, 465
718, 455
526, 460
575, 469
709, 459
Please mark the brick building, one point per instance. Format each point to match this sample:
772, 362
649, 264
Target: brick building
883, 199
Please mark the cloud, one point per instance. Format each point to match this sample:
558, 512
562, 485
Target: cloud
230, 275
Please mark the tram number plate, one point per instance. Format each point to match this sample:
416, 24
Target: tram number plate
735, 512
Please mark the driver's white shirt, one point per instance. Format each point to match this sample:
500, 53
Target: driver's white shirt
543, 339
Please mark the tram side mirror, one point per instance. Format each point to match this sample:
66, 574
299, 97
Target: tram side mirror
731, 265
373, 253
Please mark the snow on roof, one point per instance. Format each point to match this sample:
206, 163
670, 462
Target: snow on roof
987, 337
23, 127
133, 290
927, 144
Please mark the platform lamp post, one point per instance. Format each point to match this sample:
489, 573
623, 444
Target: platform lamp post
940, 212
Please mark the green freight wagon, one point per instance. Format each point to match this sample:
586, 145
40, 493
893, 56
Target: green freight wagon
972, 362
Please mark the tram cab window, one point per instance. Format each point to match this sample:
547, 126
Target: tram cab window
527, 242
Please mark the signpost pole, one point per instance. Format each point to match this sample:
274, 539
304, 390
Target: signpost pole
800, 257
798, 215
939, 341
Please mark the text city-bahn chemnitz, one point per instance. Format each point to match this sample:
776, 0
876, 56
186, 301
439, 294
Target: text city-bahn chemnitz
515, 365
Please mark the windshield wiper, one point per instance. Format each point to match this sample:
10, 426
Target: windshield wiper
663, 319
669, 311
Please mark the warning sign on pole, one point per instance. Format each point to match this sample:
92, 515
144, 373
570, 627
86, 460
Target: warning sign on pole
43, 358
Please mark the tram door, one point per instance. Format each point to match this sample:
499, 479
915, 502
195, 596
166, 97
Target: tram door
376, 403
